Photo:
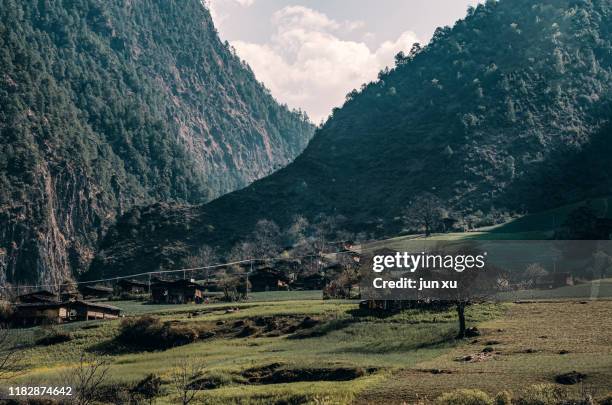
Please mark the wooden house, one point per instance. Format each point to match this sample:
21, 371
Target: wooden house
211, 286
40, 296
87, 311
554, 280
176, 291
96, 291
41, 313
132, 287
268, 279
313, 281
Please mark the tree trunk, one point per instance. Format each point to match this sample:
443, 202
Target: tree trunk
461, 316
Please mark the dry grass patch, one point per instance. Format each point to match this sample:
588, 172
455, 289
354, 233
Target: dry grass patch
532, 344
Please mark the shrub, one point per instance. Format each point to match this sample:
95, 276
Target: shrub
113, 394
503, 398
149, 333
54, 338
541, 394
147, 388
464, 397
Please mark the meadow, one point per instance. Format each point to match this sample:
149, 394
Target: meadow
404, 357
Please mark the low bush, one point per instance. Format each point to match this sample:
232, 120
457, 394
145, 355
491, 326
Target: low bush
149, 333
503, 398
147, 388
541, 394
112, 394
464, 397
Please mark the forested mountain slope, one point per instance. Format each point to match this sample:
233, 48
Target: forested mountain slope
486, 117
105, 105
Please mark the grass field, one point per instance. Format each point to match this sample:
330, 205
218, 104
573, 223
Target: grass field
397, 350
404, 358
344, 338
528, 342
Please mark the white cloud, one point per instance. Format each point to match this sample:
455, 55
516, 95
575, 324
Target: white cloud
245, 3
218, 8
307, 63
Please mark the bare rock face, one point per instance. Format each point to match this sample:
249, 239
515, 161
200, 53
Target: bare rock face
109, 105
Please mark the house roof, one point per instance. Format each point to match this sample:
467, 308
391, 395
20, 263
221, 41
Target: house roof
67, 304
39, 293
132, 283
313, 276
42, 305
98, 288
268, 272
176, 283
93, 304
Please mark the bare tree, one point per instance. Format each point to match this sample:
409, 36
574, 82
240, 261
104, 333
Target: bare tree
475, 287
534, 272
205, 256
266, 239
297, 231
234, 286
88, 377
424, 213
182, 378
242, 251
10, 356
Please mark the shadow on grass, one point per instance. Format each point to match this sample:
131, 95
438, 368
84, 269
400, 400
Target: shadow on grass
112, 347
418, 341
323, 329
371, 313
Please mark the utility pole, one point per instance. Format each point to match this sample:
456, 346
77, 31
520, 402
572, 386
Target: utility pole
247, 278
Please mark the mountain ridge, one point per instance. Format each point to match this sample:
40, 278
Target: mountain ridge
478, 111
110, 105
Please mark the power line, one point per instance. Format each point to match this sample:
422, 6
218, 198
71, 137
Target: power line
372, 247
149, 273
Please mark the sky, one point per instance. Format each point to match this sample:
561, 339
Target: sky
311, 53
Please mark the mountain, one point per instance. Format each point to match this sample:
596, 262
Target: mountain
478, 117
107, 105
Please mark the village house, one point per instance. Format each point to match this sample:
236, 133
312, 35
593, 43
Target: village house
177, 291
68, 293
39, 313
42, 313
132, 287
38, 297
95, 291
313, 281
554, 280
287, 266
211, 286
87, 311
268, 279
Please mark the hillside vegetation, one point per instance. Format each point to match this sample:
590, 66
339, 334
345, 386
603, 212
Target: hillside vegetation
506, 112
109, 104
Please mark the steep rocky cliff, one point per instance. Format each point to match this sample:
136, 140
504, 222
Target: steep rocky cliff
105, 105
494, 114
